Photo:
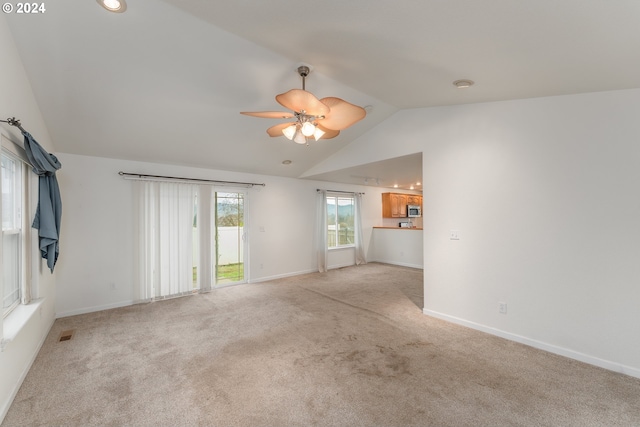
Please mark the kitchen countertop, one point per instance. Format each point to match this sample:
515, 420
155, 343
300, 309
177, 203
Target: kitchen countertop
400, 228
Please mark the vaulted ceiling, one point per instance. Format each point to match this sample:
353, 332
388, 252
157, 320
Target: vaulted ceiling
165, 81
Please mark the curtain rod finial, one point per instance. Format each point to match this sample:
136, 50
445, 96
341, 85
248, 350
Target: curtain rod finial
14, 122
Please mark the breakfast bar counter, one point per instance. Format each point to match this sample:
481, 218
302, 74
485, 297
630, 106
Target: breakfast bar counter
400, 228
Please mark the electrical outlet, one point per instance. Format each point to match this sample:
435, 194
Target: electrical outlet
454, 234
502, 307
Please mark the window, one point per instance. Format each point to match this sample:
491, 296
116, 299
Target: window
13, 241
340, 224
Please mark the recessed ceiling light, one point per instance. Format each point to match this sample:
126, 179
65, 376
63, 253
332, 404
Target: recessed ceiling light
395, 185
117, 6
418, 183
463, 84
411, 188
286, 162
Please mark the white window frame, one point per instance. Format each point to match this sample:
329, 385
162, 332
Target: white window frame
14, 151
337, 196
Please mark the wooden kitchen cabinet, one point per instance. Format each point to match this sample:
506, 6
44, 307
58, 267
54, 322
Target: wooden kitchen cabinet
394, 205
413, 199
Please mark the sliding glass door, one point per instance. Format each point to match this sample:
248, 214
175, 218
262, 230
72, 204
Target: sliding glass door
230, 253
190, 238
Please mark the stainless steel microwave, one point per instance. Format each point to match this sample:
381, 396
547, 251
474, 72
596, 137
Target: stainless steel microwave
413, 211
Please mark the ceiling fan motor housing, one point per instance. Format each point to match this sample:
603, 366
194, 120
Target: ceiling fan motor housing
303, 70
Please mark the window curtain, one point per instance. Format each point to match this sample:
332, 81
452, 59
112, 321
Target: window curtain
165, 239
49, 211
205, 249
360, 258
321, 230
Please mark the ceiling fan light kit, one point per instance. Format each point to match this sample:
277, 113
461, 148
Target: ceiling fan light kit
318, 118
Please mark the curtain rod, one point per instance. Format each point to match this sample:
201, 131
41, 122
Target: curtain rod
338, 191
140, 175
14, 122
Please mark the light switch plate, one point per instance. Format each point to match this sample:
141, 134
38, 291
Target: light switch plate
502, 307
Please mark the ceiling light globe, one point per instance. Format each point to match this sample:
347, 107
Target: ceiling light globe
308, 129
289, 132
299, 138
317, 134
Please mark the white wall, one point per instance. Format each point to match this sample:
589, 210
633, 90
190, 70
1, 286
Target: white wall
17, 99
545, 195
400, 246
97, 228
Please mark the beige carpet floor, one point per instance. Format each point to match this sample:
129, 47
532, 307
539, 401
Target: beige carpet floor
350, 347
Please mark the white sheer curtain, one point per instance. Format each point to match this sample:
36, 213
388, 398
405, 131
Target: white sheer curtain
206, 251
360, 258
321, 230
165, 239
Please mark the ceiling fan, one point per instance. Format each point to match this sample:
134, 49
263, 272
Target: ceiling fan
318, 118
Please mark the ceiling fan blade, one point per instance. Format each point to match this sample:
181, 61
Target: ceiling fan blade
342, 115
298, 100
277, 129
328, 133
269, 114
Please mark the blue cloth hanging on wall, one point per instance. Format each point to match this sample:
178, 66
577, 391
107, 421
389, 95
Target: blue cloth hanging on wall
49, 211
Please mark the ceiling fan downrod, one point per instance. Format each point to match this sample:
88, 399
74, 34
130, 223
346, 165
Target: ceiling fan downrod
303, 70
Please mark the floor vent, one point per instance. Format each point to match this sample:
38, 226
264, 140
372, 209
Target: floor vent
66, 335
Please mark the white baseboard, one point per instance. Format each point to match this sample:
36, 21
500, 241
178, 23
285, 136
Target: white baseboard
93, 309
7, 404
571, 354
402, 264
